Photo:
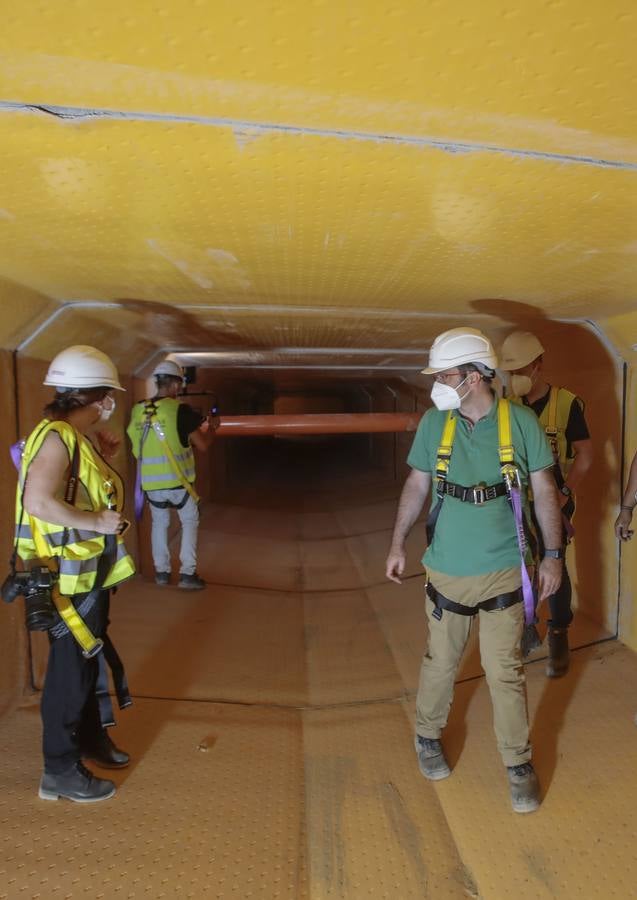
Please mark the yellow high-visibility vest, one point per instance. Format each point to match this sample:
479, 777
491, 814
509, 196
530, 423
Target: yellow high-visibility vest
157, 469
76, 550
554, 421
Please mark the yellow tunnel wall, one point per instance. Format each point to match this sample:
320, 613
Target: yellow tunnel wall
622, 331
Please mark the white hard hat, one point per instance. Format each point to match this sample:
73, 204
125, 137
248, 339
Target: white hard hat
168, 367
81, 366
459, 346
519, 349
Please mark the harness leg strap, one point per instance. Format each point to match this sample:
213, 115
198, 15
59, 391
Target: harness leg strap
501, 601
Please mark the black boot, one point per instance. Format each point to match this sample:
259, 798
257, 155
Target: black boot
558, 660
77, 784
104, 752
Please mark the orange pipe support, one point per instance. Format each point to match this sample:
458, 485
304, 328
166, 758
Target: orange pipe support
321, 423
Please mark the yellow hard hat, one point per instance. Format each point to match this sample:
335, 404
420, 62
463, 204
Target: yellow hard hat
519, 349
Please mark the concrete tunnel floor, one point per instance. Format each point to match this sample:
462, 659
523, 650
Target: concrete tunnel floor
272, 729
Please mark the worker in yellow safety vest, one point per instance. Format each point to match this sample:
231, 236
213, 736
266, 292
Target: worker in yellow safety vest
68, 534
163, 432
561, 414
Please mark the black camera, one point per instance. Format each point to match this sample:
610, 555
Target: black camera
36, 588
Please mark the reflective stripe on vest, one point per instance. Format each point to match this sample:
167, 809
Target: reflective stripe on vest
157, 470
45, 541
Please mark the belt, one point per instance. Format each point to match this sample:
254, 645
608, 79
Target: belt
501, 601
477, 493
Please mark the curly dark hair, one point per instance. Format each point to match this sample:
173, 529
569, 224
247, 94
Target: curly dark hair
68, 399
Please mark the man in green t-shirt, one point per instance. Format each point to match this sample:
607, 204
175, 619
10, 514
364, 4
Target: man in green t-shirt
473, 558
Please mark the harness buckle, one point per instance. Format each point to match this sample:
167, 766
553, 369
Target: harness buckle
511, 475
482, 493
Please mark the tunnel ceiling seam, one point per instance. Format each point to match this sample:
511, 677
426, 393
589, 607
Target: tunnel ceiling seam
72, 113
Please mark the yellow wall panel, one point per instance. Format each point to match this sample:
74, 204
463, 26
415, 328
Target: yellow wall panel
188, 214
548, 77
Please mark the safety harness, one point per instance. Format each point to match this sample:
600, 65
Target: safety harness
151, 420
72, 617
510, 486
552, 433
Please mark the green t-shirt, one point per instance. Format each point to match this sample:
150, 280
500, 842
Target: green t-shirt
471, 539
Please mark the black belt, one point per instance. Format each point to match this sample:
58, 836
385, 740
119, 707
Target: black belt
502, 601
477, 493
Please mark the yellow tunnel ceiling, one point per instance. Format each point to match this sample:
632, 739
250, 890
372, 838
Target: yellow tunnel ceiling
368, 160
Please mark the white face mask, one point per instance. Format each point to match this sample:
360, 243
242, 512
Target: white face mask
446, 397
105, 414
521, 385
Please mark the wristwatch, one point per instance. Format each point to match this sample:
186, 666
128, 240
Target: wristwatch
565, 489
555, 554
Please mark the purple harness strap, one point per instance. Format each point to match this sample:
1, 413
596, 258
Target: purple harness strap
16, 451
527, 589
139, 494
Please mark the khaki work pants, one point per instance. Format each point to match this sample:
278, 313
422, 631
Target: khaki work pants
500, 654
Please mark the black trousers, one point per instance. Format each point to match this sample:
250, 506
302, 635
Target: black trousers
561, 614
69, 708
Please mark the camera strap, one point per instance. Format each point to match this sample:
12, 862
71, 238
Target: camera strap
14, 556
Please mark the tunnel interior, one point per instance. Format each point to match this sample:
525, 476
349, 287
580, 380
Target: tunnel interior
292, 202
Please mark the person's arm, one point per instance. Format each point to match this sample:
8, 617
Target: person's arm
109, 443
46, 475
583, 451
622, 523
547, 512
193, 428
579, 441
412, 500
202, 438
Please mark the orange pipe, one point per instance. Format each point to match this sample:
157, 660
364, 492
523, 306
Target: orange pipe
321, 423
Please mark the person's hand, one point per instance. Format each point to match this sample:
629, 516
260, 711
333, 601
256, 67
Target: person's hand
109, 443
108, 521
622, 524
395, 565
549, 577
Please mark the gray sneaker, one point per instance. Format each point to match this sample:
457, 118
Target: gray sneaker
191, 582
162, 577
431, 759
525, 788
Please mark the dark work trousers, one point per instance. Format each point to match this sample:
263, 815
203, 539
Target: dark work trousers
70, 713
560, 602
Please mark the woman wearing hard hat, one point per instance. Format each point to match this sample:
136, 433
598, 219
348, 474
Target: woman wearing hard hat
69, 529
